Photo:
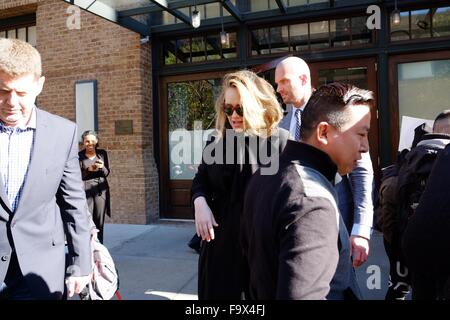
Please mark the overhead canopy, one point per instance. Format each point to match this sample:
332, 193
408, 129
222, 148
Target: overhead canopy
148, 17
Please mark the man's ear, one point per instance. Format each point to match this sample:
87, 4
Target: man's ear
303, 79
40, 85
322, 132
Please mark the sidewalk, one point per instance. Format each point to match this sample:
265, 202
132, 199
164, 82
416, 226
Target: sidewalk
155, 263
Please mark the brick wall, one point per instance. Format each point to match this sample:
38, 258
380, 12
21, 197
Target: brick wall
113, 56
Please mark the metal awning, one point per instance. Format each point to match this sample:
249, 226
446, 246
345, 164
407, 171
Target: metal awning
149, 17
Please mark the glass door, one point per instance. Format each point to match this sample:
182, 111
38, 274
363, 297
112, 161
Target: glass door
187, 119
420, 89
361, 73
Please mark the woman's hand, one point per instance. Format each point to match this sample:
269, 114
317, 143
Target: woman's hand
204, 219
99, 164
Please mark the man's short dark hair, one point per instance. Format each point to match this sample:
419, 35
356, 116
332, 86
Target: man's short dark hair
330, 103
439, 127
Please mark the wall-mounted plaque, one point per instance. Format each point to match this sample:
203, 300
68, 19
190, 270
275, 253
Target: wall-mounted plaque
122, 127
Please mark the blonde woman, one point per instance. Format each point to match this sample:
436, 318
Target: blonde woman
246, 109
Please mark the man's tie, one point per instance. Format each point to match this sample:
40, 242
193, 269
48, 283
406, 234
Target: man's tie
298, 114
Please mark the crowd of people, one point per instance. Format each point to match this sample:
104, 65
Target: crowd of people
283, 199
301, 232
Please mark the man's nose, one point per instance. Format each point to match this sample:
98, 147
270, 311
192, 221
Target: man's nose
365, 145
13, 98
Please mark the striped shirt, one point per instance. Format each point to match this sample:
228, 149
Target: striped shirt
16, 145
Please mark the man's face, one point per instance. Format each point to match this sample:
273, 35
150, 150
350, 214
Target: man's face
17, 98
290, 85
346, 144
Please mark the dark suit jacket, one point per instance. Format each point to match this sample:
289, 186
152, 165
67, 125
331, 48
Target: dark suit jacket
52, 205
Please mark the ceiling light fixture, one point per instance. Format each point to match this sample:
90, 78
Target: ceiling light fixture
224, 37
195, 17
395, 16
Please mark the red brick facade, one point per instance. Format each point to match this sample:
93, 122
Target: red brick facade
103, 51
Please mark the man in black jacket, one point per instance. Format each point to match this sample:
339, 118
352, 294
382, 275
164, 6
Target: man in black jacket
426, 222
292, 231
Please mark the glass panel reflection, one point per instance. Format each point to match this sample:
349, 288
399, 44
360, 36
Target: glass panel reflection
319, 35
356, 76
191, 117
420, 24
279, 38
423, 88
401, 32
441, 22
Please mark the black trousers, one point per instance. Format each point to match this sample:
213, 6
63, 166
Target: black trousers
399, 275
430, 286
97, 207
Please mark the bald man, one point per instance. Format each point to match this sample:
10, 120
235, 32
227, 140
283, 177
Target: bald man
293, 79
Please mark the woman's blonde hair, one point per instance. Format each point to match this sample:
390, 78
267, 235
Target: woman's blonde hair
262, 112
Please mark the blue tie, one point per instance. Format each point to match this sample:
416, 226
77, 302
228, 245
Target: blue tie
298, 114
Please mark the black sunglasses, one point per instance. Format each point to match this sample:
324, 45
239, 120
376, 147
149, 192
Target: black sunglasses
230, 109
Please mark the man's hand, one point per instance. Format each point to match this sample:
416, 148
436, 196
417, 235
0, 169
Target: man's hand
76, 284
359, 249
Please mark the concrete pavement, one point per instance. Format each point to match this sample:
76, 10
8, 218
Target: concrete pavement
155, 263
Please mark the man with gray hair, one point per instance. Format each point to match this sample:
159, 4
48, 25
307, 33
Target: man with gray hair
42, 197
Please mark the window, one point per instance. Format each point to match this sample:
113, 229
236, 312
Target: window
423, 88
323, 34
86, 105
198, 49
422, 24
191, 117
27, 34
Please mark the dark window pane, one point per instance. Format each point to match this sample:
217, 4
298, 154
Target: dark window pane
420, 24
340, 32
279, 39
198, 49
260, 41
212, 47
441, 22
401, 32
356, 76
360, 33
169, 52
298, 34
184, 50
229, 50
319, 35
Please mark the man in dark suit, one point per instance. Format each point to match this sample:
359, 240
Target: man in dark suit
42, 198
291, 220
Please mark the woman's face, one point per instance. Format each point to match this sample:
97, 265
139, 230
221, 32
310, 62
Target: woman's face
90, 142
233, 109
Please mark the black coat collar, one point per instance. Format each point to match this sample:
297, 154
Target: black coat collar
309, 156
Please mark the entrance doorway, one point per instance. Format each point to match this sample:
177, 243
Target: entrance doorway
361, 73
187, 117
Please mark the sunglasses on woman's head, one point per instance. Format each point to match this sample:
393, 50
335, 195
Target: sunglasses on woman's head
229, 109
